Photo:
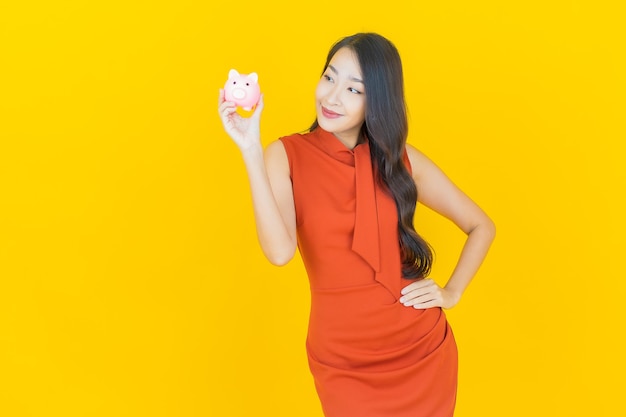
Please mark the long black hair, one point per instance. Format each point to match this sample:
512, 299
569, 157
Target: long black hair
386, 127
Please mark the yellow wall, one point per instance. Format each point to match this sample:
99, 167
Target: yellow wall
131, 282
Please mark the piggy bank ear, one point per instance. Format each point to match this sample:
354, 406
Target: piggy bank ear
233, 73
254, 77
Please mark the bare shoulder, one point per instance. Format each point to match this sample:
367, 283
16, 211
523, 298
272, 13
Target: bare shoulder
276, 152
276, 157
414, 153
420, 163
276, 148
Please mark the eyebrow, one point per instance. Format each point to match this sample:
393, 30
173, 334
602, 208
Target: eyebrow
350, 77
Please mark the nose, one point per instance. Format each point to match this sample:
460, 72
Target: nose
333, 96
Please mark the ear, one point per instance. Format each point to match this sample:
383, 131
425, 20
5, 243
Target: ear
232, 73
254, 76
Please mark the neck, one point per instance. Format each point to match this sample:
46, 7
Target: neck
350, 141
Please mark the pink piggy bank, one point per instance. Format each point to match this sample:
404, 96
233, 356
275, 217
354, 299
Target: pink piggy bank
242, 89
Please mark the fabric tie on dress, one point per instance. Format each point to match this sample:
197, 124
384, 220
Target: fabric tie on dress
372, 206
366, 239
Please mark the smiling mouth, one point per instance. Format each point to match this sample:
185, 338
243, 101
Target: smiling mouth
329, 114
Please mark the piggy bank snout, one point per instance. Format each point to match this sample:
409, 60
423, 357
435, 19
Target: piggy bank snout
239, 93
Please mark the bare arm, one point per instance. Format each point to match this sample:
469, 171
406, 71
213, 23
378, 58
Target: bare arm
438, 192
270, 183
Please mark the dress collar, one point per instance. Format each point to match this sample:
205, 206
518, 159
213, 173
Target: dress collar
332, 146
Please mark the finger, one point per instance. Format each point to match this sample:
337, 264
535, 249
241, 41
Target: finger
427, 304
227, 108
221, 101
425, 299
416, 293
416, 297
416, 285
419, 295
258, 108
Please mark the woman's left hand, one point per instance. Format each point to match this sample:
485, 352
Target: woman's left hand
426, 293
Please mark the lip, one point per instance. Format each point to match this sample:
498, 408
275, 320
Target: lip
329, 114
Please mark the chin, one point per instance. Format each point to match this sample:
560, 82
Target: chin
325, 124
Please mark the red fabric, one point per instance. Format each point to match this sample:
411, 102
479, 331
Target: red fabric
370, 356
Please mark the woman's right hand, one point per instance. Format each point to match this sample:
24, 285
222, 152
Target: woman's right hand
245, 131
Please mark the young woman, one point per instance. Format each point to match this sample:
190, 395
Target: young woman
345, 193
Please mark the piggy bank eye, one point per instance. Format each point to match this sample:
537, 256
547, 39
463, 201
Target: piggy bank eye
234, 82
247, 84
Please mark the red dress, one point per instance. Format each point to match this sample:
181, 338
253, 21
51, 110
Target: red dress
370, 356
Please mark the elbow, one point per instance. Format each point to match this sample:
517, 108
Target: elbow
490, 229
485, 228
280, 258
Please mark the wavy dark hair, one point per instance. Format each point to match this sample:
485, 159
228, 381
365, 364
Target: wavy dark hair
386, 127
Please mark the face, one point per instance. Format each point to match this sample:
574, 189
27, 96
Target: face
340, 98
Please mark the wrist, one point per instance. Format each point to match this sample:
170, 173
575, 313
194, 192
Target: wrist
454, 295
253, 151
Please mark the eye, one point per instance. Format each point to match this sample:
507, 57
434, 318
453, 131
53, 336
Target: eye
328, 77
247, 84
234, 82
354, 90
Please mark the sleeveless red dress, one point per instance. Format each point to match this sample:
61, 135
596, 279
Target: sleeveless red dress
370, 356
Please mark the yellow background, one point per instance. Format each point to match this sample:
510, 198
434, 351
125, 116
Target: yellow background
131, 282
